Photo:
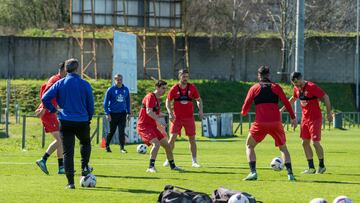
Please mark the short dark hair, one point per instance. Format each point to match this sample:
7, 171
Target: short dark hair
71, 65
182, 71
160, 83
264, 70
295, 75
62, 66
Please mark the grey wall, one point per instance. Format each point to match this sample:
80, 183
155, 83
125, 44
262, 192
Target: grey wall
326, 59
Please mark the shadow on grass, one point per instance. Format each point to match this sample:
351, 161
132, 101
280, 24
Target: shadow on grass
343, 174
134, 177
3, 135
328, 182
208, 172
136, 191
218, 140
228, 167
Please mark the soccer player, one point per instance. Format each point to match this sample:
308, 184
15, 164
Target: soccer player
182, 113
51, 125
266, 94
309, 94
75, 99
149, 118
117, 108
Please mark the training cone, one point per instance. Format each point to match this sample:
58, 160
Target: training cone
103, 143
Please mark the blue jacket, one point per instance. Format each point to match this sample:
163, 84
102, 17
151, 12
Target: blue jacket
74, 97
117, 100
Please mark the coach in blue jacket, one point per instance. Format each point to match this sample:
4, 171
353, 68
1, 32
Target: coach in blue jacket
75, 99
117, 107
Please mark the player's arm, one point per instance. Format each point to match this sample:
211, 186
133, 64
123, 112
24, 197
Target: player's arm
199, 104
291, 100
248, 101
279, 91
89, 101
48, 96
327, 103
169, 104
153, 115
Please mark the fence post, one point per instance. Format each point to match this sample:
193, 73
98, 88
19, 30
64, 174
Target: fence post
97, 129
23, 132
249, 115
0, 111
241, 124
43, 138
287, 122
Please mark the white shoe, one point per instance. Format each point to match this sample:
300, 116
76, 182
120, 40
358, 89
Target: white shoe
151, 170
166, 163
195, 165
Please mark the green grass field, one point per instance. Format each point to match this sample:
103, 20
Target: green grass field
122, 177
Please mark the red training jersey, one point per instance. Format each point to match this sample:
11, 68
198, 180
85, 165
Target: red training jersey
185, 108
149, 101
309, 96
52, 80
266, 110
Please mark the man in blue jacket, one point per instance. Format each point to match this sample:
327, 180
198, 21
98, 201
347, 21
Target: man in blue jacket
117, 107
76, 108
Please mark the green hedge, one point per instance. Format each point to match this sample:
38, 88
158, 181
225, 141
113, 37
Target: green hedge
218, 96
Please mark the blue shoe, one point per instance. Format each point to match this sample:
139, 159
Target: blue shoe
87, 170
321, 170
251, 176
42, 165
70, 186
291, 177
61, 170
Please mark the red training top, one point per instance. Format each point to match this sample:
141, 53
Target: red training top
183, 105
266, 96
309, 99
149, 101
44, 87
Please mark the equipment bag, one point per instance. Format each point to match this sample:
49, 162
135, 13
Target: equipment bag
182, 195
222, 195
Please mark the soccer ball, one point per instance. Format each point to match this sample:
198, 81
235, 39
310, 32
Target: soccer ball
342, 199
141, 148
88, 181
318, 200
277, 164
238, 198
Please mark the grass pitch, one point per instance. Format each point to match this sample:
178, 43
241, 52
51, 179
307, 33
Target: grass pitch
122, 177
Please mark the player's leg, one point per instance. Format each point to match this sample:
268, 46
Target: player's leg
306, 141
169, 154
121, 127
155, 146
251, 157
190, 131
175, 128
83, 134
67, 132
59, 152
113, 126
315, 131
287, 159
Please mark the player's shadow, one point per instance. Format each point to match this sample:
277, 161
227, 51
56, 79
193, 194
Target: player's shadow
329, 182
132, 177
210, 172
3, 135
136, 191
218, 140
228, 167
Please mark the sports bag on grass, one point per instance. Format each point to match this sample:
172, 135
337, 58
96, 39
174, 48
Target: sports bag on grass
182, 195
222, 195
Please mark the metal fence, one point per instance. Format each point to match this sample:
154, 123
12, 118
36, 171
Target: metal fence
346, 120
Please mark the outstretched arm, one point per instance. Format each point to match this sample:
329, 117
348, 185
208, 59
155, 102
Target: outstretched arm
326, 100
291, 100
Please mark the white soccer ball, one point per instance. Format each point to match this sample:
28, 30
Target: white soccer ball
277, 164
238, 198
88, 181
141, 148
318, 200
342, 199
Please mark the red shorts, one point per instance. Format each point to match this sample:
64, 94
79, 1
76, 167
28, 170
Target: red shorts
50, 122
311, 129
259, 130
148, 133
187, 123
